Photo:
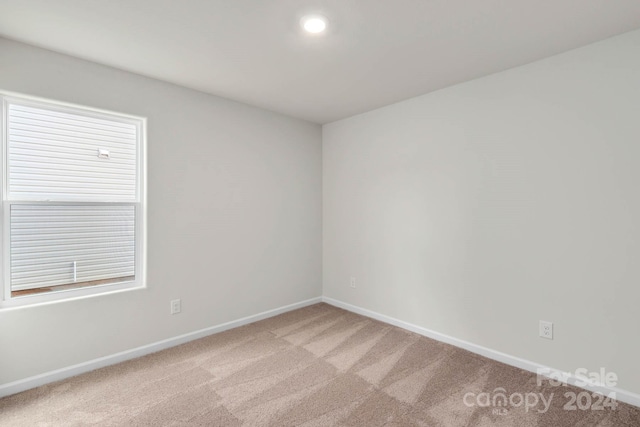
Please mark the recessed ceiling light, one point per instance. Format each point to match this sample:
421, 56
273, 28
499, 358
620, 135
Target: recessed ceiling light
314, 23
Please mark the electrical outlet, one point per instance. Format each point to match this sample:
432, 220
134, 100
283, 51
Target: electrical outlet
546, 330
176, 306
352, 282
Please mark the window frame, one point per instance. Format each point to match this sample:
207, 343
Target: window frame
140, 205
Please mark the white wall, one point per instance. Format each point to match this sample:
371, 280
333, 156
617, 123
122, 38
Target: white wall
234, 224
478, 210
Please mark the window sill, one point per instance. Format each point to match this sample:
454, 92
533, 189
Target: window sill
41, 299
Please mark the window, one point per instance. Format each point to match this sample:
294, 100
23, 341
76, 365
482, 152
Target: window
72, 200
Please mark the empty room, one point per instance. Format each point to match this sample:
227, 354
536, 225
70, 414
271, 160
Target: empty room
320, 213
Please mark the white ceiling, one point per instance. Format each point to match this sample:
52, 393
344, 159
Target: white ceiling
376, 52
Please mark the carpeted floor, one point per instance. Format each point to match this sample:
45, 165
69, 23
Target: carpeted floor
317, 366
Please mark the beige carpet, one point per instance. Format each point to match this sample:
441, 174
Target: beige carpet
317, 366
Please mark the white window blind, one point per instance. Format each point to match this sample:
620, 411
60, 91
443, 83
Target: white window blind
60, 245
72, 196
54, 155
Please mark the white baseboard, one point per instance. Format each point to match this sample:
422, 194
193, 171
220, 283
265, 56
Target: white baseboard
620, 395
70, 371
